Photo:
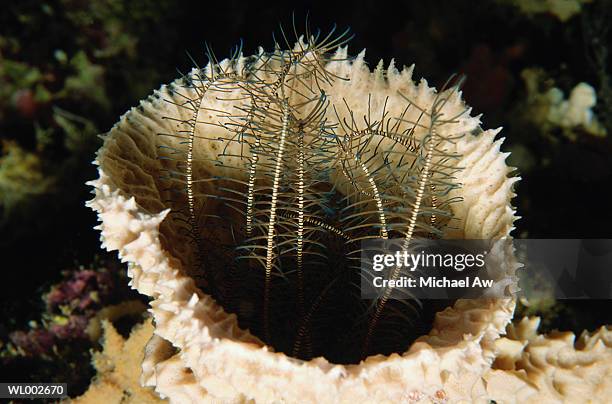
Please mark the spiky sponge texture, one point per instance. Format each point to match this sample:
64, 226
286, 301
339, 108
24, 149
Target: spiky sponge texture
216, 359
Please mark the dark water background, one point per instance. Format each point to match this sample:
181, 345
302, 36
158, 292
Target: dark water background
130, 48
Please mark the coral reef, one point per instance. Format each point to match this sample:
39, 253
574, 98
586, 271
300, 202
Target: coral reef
69, 68
70, 325
69, 306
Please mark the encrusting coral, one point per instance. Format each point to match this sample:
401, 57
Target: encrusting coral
56, 344
118, 366
199, 351
549, 109
532, 368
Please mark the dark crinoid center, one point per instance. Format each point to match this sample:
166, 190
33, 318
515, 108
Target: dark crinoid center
277, 183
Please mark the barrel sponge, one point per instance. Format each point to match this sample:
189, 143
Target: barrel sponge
199, 352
